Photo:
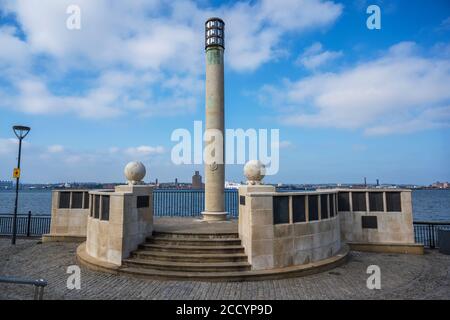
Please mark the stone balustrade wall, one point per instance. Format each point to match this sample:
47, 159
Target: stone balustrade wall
274, 235
69, 213
118, 222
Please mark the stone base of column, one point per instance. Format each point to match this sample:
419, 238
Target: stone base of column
214, 216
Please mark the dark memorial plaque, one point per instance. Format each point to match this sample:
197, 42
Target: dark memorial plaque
369, 222
280, 209
313, 208
343, 201
143, 202
77, 200
298, 208
105, 208
242, 200
86, 200
376, 201
359, 201
332, 205
97, 207
91, 209
393, 202
323, 206
64, 200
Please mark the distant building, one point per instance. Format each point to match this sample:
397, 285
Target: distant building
197, 181
232, 185
6, 184
440, 185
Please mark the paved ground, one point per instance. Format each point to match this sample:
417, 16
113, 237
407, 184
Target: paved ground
402, 277
194, 225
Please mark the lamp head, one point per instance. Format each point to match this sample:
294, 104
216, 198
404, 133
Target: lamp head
21, 131
214, 33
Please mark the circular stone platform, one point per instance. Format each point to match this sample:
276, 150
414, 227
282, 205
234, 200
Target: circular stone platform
194, 225
194, 249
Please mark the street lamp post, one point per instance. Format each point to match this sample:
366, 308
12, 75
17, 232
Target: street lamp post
20, 132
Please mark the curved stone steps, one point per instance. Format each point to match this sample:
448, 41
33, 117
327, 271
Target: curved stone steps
246, 275
193, 242
187, 266
189, 257
192, 249
190, 252
186, 235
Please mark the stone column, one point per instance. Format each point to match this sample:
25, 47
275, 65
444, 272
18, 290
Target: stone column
215, 171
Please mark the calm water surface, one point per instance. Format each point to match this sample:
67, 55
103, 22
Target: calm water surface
431, 205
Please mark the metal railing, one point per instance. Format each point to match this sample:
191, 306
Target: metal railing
27, 224
188, 203
426, 232
39, 285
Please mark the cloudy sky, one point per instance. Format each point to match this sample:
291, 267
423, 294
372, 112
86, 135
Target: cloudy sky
349, 102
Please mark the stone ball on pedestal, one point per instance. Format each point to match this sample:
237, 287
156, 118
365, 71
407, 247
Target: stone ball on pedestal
134, 172
254, 171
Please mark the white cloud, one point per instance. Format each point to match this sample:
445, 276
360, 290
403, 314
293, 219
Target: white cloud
135, 51
15, 52
55, 148
56, 162
402, 91
113, 150
314, 56
34, 97
300, 15
427, 119
254, 31
8, 146
144, 151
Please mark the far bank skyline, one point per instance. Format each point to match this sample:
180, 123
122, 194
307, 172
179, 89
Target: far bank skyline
176, 181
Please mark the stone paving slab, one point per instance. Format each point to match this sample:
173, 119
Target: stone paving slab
402, 277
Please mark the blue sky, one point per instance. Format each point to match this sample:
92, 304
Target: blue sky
349, 102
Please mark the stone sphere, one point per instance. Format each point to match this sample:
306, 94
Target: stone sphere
254, 171
134, 172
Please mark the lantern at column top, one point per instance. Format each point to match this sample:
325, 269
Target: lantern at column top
214, 33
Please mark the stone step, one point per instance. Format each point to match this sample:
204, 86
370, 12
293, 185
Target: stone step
194, 242
191, 276
242, 275
188, 257
192, 249
183, 235
187, 266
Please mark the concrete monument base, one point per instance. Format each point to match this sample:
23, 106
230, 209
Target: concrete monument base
404, 248
214, 216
